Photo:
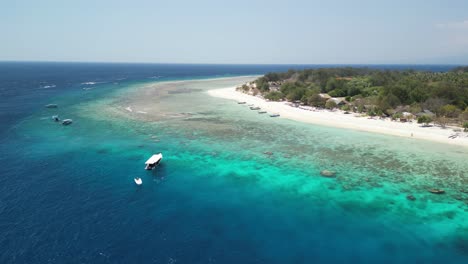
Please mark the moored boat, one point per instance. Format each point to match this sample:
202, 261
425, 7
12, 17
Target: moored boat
55, 118
153, 161
241, 102
138, 181
328, 173
274, 115
51, 106
67, 122
262, 112
254, 108
436, 191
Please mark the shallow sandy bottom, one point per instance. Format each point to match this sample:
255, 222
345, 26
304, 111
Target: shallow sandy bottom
351, 121
225, 158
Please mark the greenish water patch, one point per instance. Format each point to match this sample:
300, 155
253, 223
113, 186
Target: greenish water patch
218, 153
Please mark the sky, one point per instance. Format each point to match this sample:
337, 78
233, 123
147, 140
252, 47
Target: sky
241, 31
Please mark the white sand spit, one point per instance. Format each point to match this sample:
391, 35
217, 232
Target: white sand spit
349, 121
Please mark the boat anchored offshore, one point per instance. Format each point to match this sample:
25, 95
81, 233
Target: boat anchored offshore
153, 161
67, 122
274, 115
138, 181
51, 106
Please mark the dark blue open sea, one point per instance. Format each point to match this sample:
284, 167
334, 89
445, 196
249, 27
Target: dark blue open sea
67, 193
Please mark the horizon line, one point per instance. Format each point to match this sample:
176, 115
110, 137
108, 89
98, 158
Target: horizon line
208, 63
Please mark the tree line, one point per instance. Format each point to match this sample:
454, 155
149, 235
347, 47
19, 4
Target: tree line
373, 90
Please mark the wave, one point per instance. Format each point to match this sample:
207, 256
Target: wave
48, 86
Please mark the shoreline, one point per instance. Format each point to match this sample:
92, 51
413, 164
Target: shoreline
338, 119
202, 79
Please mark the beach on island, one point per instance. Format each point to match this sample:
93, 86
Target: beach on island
354, 121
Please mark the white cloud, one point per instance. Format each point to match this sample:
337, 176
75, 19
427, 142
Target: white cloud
460, 25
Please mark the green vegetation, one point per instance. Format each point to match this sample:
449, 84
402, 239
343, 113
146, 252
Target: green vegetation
274, 96
465, 126
424, 120
461, 69
330, 104
376, 92
449, 111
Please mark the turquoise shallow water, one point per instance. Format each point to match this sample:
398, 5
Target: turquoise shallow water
217, 198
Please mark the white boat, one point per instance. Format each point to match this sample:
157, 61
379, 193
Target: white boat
138, 181
67, 122
153, 161
55, 118
51, 106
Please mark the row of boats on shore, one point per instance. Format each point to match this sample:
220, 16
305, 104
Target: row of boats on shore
260, 111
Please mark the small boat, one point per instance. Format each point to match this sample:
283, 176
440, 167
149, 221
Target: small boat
262, 112
328, 173
241, 102
55, 118
138, 181
437, 191
67, 122
274, 115
254, 108
153, 161
51, 106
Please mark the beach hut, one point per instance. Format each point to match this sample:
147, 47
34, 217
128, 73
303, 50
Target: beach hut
324, 96
407, 116
425, 113
339, 101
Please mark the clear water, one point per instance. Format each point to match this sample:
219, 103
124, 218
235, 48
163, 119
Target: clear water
67, 193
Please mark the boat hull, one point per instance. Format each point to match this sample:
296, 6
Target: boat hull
153, 161
138, 181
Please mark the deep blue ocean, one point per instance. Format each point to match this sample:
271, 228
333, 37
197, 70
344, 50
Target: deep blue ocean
67, 193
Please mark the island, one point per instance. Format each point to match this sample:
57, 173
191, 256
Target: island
409, 103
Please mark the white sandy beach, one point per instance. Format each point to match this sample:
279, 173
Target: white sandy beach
349, 121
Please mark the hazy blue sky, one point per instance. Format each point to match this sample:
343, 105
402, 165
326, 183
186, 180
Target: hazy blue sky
241, 31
